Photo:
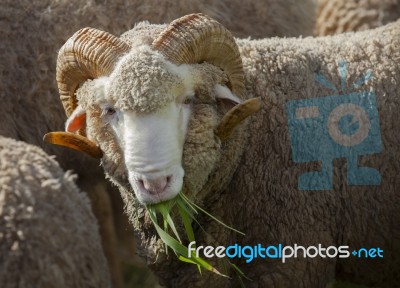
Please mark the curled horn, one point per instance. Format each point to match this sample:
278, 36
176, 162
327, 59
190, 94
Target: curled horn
235, 116
88, 54
197, 38
74, 141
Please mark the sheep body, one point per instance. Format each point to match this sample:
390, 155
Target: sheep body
48, 234
338, 16
254, 175
357, 216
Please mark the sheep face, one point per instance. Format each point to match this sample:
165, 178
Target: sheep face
158, 107
155, 123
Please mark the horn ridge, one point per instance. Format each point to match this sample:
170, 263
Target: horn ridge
88, 54
197, 38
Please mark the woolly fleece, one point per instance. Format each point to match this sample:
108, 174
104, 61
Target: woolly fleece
250, 182
338, 16
32, 32
48, 234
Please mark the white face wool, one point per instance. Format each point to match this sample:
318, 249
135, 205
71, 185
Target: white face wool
147, 103
152, 145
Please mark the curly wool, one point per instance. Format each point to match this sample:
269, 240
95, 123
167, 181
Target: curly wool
32, 32
253, 185
339, 16
48, 234
141, 82
357, 216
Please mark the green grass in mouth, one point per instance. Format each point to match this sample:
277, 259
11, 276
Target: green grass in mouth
169, 234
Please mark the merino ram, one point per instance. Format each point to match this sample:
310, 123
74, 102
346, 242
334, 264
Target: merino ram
48, 234
164, 103
31, 33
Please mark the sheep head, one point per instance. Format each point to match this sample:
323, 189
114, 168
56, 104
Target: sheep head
152, 107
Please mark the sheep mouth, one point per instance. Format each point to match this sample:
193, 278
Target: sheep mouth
155, 188
153, 196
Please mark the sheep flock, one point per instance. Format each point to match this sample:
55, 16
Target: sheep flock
200, 104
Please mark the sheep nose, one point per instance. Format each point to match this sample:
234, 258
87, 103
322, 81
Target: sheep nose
155, 186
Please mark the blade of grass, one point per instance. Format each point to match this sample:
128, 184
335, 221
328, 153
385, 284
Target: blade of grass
186, 200
172, 225
193, 218
165, 212
240, 272
152, 210
186, 209
167, 239
184, 205
180, 249
186, 223
187, 260
209, 215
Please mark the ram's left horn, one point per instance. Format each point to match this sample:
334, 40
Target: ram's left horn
74, 141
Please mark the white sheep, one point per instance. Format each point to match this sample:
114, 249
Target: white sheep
338, 16
157, 109
48, 234
31, 33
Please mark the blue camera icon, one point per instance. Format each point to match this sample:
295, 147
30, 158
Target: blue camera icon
325, 128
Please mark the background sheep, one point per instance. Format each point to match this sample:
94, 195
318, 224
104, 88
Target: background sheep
250, 181
48, 234
33, 31
338, 16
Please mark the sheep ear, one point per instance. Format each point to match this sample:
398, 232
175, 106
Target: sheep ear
76, 121
226, 98
235, 116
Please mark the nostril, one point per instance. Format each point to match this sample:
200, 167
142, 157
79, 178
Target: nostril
155, 186
140, 182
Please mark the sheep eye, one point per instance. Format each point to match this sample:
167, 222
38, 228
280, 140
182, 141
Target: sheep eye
108, 111
188, 101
